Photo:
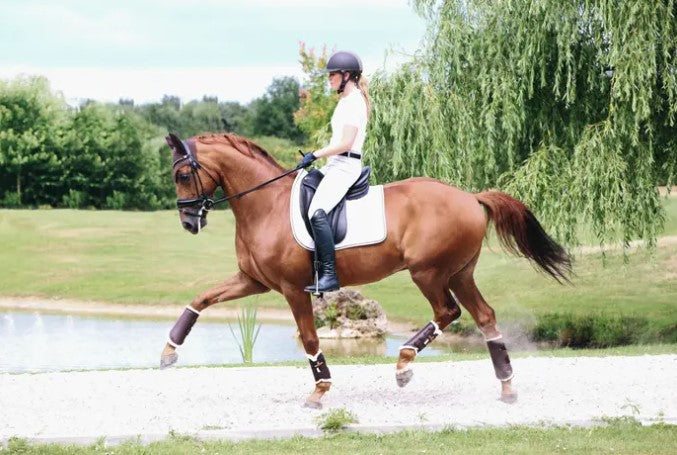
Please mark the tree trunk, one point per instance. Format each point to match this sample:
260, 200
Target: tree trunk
18, 186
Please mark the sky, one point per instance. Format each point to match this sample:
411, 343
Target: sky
144, 49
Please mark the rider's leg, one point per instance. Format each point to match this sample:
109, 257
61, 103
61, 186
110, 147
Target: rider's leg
336, 182
326, 256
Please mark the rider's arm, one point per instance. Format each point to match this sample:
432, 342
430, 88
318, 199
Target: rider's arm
347, 140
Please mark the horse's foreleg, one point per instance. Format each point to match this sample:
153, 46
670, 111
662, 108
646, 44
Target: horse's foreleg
302, 309
235, 287
470, 297
434, 286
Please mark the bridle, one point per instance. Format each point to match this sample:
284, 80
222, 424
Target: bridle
203, 202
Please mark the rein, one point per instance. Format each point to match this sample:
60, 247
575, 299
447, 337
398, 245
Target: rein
203, 201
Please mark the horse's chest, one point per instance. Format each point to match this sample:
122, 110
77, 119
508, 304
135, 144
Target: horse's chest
255, 256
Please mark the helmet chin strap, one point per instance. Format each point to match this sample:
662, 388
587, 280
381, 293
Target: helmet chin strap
344, 81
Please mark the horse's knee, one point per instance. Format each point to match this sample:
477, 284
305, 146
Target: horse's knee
449, 315
310, 344
486, 320
199, 303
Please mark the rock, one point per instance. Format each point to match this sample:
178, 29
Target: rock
348, 314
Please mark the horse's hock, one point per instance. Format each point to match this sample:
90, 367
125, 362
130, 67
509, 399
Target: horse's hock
348, 314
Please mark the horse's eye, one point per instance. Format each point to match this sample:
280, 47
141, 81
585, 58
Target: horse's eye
183, 178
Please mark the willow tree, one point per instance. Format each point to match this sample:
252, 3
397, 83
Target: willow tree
568, 105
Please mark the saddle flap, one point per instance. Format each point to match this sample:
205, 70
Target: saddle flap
365, 218
337, 216
361, 186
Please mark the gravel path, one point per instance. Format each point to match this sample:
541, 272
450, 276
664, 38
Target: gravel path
239, 403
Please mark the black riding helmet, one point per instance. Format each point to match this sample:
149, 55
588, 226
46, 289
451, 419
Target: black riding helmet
343, 61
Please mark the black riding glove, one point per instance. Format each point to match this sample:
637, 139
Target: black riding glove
307, 160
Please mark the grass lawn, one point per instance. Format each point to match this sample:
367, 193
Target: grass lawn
146, 257
617, 437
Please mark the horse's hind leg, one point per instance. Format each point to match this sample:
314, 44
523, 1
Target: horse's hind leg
433, 285
465, 289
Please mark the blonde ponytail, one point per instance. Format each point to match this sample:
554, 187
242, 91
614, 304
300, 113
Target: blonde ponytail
363, 85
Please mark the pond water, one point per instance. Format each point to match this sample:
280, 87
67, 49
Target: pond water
36, 342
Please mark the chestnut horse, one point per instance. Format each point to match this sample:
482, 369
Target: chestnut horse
434, 230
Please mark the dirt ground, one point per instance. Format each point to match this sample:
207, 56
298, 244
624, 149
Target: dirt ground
264, 402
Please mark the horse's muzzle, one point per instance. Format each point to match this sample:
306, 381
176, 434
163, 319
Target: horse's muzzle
193, 224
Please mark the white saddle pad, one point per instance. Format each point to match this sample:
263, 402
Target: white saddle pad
365, 218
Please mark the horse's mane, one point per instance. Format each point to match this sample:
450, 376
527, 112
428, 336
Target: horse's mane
241, 144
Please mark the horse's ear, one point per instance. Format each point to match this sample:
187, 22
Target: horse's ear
176, 144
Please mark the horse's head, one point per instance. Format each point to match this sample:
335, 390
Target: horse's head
194, 185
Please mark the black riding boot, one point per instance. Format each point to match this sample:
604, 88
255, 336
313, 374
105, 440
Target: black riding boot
325, 253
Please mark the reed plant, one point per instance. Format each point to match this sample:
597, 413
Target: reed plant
249, 331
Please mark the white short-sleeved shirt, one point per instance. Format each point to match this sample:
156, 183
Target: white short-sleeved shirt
351, 110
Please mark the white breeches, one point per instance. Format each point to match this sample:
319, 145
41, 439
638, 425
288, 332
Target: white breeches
339, 175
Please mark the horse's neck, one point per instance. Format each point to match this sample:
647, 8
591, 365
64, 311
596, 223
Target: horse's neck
259, 205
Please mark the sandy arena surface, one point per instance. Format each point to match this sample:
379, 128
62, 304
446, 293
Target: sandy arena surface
236, 403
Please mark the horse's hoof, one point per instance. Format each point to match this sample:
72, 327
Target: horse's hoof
167, 361
312, 404
404, 376
509, 398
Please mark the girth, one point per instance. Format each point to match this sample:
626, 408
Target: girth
337, 216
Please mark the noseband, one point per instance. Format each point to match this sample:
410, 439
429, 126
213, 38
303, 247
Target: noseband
203, 202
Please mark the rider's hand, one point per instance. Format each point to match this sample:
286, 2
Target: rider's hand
307, 160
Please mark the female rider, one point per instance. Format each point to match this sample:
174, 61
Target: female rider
344, 164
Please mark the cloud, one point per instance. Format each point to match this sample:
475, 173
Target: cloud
315, 4
144, 49
98, 27
156, 33
240, 84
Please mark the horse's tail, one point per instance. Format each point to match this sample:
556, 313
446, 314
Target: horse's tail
520, 233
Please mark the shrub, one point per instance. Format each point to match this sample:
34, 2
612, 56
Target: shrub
331, 316
12, 199
74, 199
117, 201
589, 331
249, 332
462, 329
668, 334
335, 420
356, 312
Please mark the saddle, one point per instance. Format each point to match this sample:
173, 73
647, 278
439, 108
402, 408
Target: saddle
337, 216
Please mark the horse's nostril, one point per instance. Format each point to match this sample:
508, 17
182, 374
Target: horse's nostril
187, 226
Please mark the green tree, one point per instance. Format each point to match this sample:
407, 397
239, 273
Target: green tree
273, 113
317, 102
87, 138
31, 125
199, 117
134, 175
233, 117
196, 117
166, 114
569, 106
113, 159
